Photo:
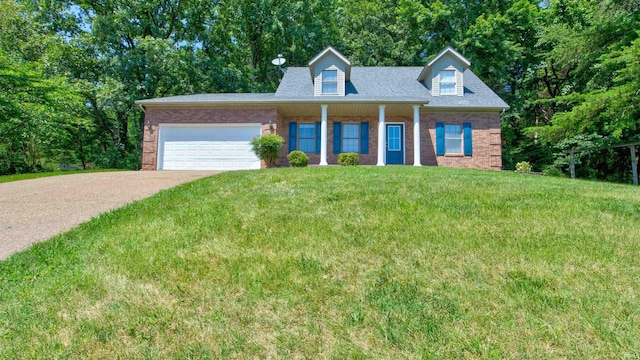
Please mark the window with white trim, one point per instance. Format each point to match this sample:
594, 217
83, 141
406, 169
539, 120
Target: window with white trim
351, 138
307, 137
329, 81
453, 139
447, 82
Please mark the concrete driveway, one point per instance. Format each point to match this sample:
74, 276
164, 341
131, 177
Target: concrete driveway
35, 210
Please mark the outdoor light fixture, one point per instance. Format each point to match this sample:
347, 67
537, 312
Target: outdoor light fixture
149, 128
271, 127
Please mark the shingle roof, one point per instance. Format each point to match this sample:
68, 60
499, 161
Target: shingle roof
368, 84
393, 84
207, 98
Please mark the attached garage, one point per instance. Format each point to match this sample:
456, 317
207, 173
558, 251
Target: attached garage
207, 146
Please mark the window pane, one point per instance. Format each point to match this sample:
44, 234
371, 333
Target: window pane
393, 138
448, 82
329, 75
448, 76
453, 146
447, 89
307, 130
455, 130
329, 88
307, 145
453, 138
350, 145
350, 130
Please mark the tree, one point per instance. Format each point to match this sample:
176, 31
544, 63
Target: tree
39, 113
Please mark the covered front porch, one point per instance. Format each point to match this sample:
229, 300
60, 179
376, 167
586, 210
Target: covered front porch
383, 134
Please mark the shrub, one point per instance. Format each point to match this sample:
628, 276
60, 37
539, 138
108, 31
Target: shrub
523, 166
298, 158
553, 171
267, 147
348, 159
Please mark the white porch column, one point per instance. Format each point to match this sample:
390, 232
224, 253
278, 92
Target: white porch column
323, 136
381, 137
416, 135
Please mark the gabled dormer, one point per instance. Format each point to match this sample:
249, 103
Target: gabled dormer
330, 72
443, 74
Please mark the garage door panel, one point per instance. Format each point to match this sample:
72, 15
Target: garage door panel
208, 148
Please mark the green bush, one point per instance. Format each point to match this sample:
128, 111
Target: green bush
267, 147
348, 159
523, 166
298, 158
553, 171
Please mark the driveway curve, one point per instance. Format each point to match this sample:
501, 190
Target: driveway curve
35, 210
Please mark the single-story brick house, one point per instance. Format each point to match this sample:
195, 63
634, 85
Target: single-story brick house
441, 114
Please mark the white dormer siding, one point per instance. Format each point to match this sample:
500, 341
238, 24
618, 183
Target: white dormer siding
446, 60
447, 63
329, 62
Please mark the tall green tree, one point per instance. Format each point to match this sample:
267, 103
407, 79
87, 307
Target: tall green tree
41, 114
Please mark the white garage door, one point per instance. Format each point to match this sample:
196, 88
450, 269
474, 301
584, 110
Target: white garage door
207, 147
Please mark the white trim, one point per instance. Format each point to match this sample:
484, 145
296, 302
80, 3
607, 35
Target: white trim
323, 136
162, 134
334, 52
453, 52
382, 137
323, 81
461, 137
416, 135
449, 69
404, 141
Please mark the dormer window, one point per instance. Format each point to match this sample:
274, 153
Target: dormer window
447, 82
329, 81
444, 74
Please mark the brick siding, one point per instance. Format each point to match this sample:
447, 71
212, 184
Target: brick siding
487, 148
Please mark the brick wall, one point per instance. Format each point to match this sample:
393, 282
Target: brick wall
487, 148
153, 117
487, 144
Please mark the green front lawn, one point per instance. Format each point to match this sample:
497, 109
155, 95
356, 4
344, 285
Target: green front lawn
364, 262
18, 177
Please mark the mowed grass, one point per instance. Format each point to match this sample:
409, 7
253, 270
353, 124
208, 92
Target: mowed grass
18, 177
339, 263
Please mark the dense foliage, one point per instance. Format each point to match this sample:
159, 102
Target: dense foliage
298, 158
267, 147
348, 159
73, 68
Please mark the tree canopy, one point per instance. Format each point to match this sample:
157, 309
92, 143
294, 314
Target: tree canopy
72, 69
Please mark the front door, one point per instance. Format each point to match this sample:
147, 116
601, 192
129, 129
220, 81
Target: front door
395, 144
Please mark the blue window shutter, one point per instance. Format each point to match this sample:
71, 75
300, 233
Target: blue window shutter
439, 139
337, 137
293, 135
364, 138
468, 141
318, 130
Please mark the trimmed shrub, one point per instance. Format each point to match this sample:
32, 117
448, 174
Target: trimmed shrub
553, 171
349, 159
523, 166
298, 158
267, 147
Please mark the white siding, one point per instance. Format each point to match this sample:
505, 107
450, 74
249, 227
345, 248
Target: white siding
447, 62
329, 62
